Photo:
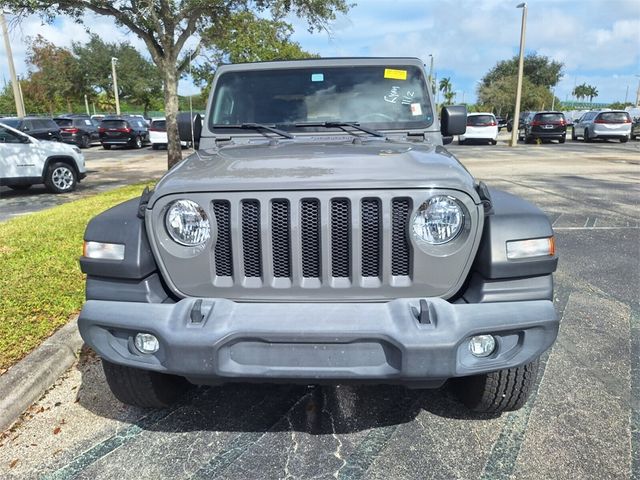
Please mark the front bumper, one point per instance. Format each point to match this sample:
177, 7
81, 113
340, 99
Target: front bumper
318, 342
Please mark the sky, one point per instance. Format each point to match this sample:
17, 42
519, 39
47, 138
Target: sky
597, 40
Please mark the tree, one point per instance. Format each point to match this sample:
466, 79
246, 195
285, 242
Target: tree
592, 92
139, 81
245, 38
540, 70
499, 96
165, 26
446, 87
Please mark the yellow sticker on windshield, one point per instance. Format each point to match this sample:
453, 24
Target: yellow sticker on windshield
395, 74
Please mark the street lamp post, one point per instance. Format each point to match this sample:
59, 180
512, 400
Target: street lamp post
516, 113
638, 93
431, 74
115, 84
17, 94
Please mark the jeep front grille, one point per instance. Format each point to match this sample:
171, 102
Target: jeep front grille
268, 232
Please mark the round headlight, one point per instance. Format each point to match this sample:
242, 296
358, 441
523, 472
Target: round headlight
187, 223
438, 220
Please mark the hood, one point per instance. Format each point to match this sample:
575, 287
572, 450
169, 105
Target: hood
299, 165
56, 147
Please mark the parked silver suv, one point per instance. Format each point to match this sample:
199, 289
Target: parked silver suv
604, 124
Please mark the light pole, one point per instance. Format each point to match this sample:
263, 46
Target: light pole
516, 113
17, 94
638, 93
431, 74
115, 84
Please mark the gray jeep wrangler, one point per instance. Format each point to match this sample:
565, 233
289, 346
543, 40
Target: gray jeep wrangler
321, 233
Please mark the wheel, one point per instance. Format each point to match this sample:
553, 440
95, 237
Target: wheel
528, 139
573, 134
624, 139
85, 142
493, 142
61, 178
497, 392
155, 146
137, 143
20, 187
461, 142
106, 147
562, 139
143, 388
586, 137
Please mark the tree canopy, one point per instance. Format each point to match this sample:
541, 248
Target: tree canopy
166, 26
499, 96
540, 70
585, 91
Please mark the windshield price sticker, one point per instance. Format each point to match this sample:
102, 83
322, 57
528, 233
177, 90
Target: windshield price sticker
416, 109
395, 74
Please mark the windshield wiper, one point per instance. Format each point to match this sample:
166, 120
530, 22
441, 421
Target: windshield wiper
257, 126
342, 126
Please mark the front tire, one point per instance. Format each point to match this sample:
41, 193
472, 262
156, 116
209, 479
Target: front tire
106, 147
460, 142
61, 178
562, 139
85, 142
137, 143
493, 142
143, 388
587, 137
624, 139
573, 134
497, 392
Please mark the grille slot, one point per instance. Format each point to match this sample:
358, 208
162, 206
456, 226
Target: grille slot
400, 247
222, 252
340, 238
281, 238
371, 220
251, 244
310, 237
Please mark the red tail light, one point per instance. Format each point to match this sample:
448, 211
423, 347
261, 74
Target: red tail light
123, 130
493, 124
536, 123
599, 120
627, 120
102, 130
70, 130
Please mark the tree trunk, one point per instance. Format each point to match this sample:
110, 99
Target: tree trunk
174, 150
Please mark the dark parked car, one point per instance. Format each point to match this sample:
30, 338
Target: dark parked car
502, 122
41, 128
80, 130
544, 126
126, 131
635, 128
522, 117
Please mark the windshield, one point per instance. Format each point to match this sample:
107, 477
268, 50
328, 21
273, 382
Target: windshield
614, 117
63, 122
481, 120
375, 96
549, 117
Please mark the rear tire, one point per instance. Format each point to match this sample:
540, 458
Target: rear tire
493, 142
562, 139
573, 134
106, 147
143, 388
85, 142
137, 143
497, 392
155, 146
624, 139
460, 142
586, 137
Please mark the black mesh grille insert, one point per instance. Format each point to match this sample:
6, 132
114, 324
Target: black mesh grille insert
280, 235
340, 238
310, 238
222, 252
251, 238
400, 247
371, 237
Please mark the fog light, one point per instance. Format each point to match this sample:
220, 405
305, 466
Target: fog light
146, 343
482, 345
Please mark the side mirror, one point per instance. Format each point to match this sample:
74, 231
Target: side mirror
190, 127
453, 121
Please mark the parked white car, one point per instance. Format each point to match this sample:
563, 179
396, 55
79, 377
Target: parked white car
25, 161
158, 134
603, 124
480, 127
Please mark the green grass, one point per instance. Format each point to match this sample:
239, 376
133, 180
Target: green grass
41, 285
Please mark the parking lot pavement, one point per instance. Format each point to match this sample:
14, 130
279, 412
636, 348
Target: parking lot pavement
582, 422
106, 169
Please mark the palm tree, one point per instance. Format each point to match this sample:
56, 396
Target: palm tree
449, 97
592, 92
446, 88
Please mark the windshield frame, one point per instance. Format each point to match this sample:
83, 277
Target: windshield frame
415, 66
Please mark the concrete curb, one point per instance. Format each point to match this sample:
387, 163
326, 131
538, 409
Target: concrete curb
25, 382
